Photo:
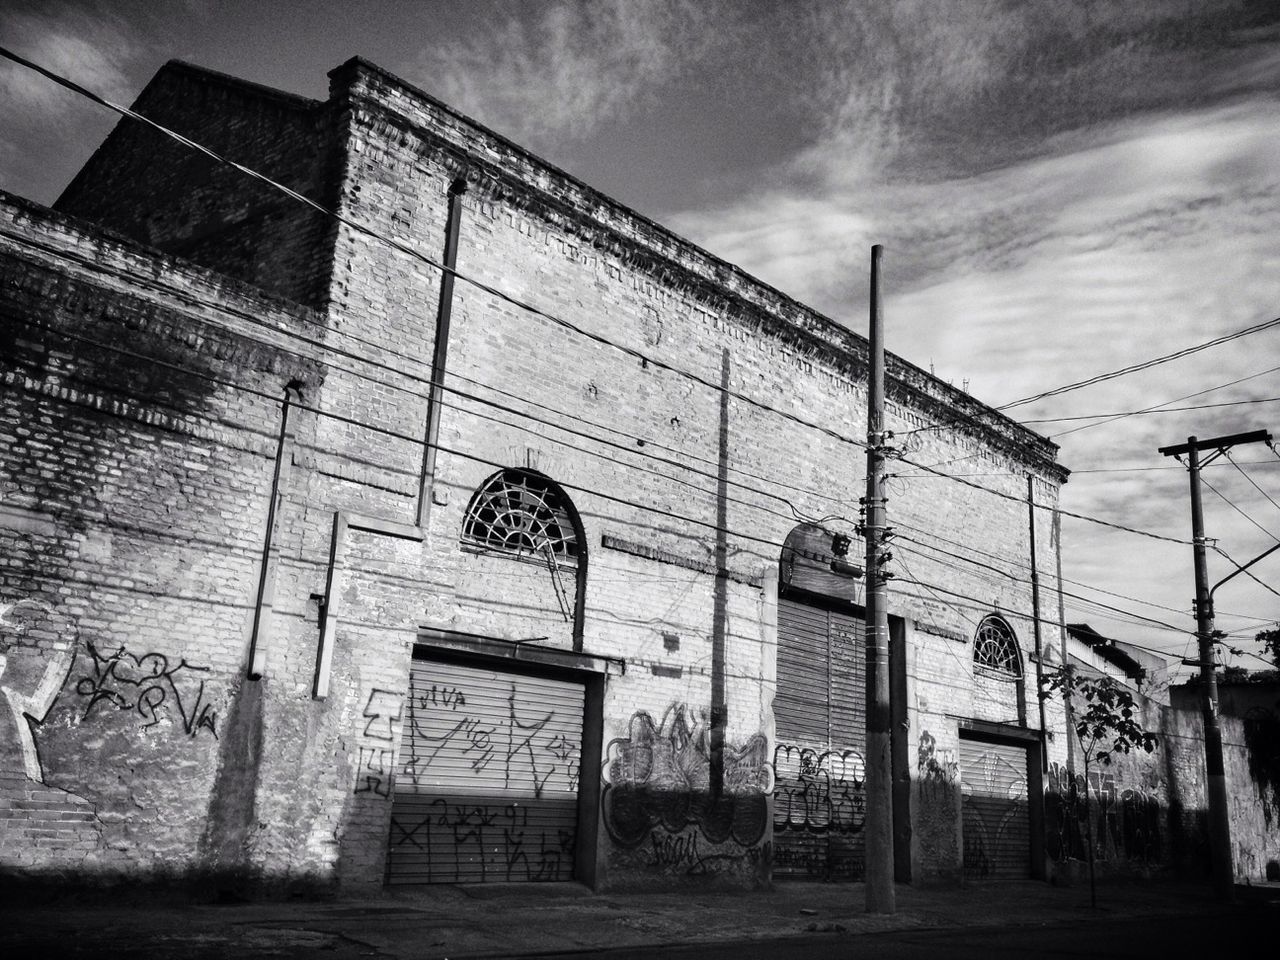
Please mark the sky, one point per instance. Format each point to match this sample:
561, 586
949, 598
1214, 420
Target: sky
1062, 189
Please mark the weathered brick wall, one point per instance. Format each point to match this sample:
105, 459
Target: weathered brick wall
135, 487
639, 449
154, 190
636, 286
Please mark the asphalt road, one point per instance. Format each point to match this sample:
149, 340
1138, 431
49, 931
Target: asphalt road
1243, 934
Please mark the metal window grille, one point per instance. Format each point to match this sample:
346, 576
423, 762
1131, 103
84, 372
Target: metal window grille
523, 514
995, 649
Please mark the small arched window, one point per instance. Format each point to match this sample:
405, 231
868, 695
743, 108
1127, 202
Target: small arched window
995, 649
523, 513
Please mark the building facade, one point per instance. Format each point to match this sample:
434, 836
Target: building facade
324, 565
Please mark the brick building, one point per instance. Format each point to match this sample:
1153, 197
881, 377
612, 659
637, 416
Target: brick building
320, 568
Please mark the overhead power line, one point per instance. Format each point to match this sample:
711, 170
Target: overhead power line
1151, 410
1145, 364
1241, 471
1065, 513
415, 254
1165, 403
493, 291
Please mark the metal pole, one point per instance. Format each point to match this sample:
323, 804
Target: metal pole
1219, 822
444, 313
1035, 616
879, 783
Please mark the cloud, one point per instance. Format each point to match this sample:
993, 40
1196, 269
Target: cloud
564, 68
919, 89
91, 51
48, 131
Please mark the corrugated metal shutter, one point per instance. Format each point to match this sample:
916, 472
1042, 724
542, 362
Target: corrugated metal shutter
487, 784
819, 770
996, 817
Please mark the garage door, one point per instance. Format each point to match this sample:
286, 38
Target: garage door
487, 780
820, 717
996, 816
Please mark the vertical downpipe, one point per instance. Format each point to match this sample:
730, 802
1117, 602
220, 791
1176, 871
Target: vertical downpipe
444, 314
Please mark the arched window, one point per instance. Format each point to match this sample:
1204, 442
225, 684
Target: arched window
523, 513
995, 649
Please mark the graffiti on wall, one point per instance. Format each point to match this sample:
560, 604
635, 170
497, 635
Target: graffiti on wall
519, 743
818, 791
1125, 820
1262, 741
483, 842
152, 685
937, 773
486, 784
657, 791
37, 651
994, 815
819, 809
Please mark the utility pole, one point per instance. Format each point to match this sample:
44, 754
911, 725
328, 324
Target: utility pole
879, 783
1220, 857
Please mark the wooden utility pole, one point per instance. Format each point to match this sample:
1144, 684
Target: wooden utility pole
1220, 854
879, 784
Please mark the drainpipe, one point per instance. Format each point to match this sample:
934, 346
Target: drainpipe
444, 314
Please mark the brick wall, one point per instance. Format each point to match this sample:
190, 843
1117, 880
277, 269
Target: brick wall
640, 449
148, 187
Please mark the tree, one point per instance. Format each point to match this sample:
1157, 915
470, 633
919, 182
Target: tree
1270, 640
1106, 721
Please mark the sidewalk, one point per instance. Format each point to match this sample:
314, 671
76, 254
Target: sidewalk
503, 920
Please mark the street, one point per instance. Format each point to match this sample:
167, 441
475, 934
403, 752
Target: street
1163, 939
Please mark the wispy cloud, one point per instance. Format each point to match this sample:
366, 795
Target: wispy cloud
48, 127
562, 68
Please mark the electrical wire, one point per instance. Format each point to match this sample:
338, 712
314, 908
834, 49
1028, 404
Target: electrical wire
365, 230
1199, 393
1227, 453
1145, 364
415, 254
1150, 410
514, 301
1065, 513
1221, 496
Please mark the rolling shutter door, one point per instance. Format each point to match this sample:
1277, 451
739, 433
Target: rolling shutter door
820, 721
487, 779
996, 816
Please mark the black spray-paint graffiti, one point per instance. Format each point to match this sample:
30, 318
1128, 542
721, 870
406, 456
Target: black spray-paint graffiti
528, 753
374, 771
819, 809
150, 685
384, 709
659, 777
936, 769
938, 774
995, 820
483, 841
818, 791
1125, 821
486, 785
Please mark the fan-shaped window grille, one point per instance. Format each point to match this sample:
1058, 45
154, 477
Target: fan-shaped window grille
995, 649
522, 513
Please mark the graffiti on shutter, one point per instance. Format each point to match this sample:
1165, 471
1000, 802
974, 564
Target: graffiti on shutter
819, 770
995, 815
487, 780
